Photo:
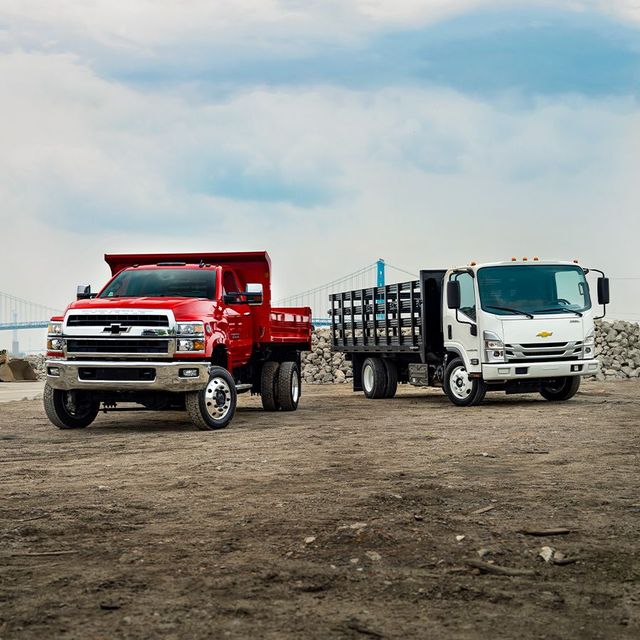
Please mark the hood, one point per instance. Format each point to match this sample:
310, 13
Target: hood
180, 306
526, 331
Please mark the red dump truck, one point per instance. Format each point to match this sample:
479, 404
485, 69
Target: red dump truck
176, 330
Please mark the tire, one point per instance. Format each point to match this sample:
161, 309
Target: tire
562, 389
460, 389
268, 381
391, 370
60, 412
214, 406
288, 386
374, 378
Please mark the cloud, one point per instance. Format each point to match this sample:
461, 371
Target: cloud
429, 135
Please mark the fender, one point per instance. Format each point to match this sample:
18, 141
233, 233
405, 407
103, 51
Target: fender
459, 350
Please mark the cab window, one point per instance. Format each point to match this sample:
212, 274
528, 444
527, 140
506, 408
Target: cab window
467, 294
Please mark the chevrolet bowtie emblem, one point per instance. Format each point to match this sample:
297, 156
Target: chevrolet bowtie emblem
544, 334
116, 329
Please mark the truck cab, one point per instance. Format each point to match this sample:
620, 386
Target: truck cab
171, 330
515, 325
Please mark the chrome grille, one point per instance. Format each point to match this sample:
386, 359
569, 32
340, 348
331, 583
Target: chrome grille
543, 352
124, 320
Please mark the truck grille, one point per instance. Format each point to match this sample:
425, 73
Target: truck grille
547, 352
115, 345
124, 320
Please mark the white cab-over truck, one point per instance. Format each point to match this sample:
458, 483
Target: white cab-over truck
519, 326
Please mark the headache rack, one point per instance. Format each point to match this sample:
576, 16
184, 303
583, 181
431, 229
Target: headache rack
402, 317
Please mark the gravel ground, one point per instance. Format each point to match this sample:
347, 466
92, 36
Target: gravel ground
347, 519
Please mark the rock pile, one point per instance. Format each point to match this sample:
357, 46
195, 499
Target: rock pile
37, 361
617, 348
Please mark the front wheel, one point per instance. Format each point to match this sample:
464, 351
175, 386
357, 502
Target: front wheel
69, 409
561, 389
462, 390
214, 406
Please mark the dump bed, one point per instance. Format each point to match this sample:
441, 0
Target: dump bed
395, 318
291, 325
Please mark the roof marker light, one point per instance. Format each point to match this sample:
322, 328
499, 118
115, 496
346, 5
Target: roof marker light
576, 261
535, 259
524, 259
473, 263
514, 259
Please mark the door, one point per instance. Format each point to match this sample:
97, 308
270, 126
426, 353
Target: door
238, 315
462, 322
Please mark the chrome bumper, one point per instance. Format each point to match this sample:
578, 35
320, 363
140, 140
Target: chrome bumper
166, 376
507, 370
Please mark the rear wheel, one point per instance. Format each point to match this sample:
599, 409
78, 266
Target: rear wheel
391, 370
69, 409
462, 390
268, 380
561, 389
288, 386
374, 378
214, 406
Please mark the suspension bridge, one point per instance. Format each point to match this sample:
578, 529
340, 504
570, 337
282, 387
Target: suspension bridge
18, 314
373, 275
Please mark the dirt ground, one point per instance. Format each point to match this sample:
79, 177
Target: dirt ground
342, 520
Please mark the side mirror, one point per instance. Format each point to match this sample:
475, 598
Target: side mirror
254, 293
453, 294
603, 290
83, 292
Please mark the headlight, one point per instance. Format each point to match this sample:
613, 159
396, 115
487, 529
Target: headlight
55, 344
190, 345
589, 345
493, 347
190, 329
54, 328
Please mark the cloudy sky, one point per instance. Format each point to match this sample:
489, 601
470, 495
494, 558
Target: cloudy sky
331, 133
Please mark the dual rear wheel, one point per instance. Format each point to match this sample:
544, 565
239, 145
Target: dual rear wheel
280, 386
379, 378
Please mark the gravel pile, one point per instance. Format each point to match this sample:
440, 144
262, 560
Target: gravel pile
617, 348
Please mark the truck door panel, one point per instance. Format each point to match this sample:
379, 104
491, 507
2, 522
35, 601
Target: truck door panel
238, 315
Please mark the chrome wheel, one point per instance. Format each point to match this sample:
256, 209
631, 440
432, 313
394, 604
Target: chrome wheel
217, 398
460, 383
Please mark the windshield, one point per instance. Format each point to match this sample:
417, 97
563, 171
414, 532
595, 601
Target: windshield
180, 283
526, 289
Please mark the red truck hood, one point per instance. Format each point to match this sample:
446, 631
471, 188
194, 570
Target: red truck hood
179, 306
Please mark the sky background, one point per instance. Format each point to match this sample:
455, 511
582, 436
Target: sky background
329, 133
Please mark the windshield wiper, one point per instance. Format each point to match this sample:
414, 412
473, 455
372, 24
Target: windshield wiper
522, 313
562, 309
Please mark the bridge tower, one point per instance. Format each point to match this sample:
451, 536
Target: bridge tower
15, 346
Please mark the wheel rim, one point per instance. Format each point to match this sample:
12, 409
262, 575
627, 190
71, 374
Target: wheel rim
74, 408
367, 378
217, 398
460, 383
295, 387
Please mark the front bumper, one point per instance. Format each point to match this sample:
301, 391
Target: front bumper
125, 375
532, 370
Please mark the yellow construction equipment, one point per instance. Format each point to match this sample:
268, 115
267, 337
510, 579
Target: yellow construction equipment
15, 370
